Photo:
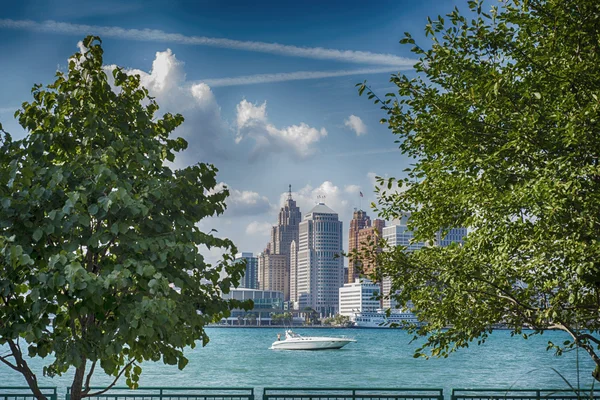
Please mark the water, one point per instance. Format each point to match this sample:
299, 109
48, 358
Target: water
381, 358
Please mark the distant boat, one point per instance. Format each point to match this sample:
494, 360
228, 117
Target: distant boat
379, 319
294, 341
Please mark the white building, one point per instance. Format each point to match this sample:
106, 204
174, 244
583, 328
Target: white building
357, 297
320, 265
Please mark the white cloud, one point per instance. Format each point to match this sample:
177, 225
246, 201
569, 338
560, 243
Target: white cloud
153, 35
356, 124
294, 76
243, 202
297, 140
352, 189
203, 123
258, 228
373, 180
327, 192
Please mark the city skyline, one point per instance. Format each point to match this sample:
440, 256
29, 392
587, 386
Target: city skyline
268, 92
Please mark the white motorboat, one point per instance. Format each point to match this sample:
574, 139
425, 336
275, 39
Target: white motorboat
294, 341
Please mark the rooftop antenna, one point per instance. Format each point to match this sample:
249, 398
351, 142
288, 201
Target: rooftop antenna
290, 193
320, 198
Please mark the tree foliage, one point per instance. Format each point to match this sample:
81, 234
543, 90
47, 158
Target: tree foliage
501, 119
338, 320
99, 243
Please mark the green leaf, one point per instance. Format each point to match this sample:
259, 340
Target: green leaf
37, 234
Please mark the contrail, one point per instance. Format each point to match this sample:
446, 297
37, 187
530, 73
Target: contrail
153, 35
293, 76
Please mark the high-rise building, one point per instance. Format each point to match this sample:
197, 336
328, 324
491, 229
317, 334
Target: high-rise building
294, 272
250, 278
274, 273
320, 270
362, 232
274, 262
399, 234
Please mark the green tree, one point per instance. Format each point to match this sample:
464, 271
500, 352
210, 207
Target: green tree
99, 243
501, 119
338, 320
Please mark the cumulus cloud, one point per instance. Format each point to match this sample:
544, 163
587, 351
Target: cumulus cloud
258, 228
352, 189
203, 123
327, 192
356, 124
296, 140
243, 202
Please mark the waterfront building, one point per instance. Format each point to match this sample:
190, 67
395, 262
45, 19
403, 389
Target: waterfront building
320, 267
273, 272
250, 278
293, 274
266, 302
358, 297
274, 262
398, 234
362, 231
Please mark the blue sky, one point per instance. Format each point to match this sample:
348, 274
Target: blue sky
233, 70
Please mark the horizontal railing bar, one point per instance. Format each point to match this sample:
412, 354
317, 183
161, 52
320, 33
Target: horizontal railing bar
175, 396
325, 396
356, 389
175, 388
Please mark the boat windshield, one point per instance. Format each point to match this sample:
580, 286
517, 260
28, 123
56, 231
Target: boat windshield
291, 334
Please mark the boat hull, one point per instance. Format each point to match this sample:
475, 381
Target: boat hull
322, 344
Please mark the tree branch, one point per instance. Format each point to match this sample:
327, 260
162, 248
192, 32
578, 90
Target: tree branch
89, 377
114, 382
5, 361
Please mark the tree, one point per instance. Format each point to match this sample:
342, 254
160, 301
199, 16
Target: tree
501, 119
338, 320
99, 243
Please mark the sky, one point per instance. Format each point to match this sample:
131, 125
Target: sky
267, 89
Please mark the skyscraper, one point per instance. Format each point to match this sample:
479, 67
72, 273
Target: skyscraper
399, 234
361, 232
250, 278
320, 267
274, 262
274, 272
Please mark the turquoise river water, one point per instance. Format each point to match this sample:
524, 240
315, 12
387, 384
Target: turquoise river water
381, 358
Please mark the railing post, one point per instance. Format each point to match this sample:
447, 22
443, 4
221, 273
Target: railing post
537, 394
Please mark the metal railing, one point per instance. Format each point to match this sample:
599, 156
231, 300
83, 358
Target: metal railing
171, 393
24, 393
351, 394
524, 394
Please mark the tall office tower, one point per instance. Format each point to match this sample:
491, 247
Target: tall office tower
273, 272
286, 229
275, 260
250, 278
360, 220
294, 273
366, 236
398, 234
320, 265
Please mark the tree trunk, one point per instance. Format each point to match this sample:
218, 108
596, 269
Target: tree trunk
77, 386
24, 369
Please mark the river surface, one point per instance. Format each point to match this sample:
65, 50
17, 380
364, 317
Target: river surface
381, 358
